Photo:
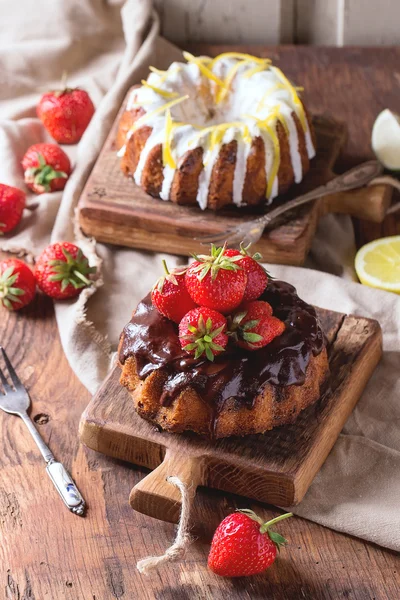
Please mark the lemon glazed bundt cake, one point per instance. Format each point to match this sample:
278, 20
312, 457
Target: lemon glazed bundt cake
214, 132
220, 349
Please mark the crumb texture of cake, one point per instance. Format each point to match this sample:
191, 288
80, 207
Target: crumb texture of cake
215, 132
240, 392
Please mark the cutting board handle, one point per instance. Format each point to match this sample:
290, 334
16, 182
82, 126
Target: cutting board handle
156, 497
371, 206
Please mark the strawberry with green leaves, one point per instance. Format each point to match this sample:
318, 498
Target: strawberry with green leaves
244, 545
46, 168
257, 276
202, 333
170, 296
12, 204
254, 326
217, 280
62, 271
17, 284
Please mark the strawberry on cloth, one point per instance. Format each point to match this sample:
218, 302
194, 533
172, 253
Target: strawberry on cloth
66, 113
62, 271
46, 168
12, 204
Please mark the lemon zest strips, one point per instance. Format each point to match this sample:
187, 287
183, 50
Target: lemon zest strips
166, 150
158, 71
239, 55
222, 92
163, 75
206, 72
295, 97
218, 131
157, 111
274, 88
257, 69
158, 90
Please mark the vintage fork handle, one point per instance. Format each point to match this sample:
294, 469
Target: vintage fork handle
354, 178
59, 475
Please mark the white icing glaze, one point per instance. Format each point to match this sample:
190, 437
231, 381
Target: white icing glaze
265, 95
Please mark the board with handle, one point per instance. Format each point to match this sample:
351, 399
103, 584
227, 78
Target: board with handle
276, 467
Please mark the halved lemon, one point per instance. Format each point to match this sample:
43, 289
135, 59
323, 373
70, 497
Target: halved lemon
385, 139
378, 264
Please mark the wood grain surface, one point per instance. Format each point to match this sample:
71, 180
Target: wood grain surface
46, 553
114, 210
277, 467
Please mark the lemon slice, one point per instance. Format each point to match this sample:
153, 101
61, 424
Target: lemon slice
386, 139
378, 264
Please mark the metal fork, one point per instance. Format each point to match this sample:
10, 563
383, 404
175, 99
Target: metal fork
15, 401
251, 231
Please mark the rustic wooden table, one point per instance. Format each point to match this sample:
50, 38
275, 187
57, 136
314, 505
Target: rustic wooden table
46, 553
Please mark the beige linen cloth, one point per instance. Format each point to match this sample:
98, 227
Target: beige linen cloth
106, 47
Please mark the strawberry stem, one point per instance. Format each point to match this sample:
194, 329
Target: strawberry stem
164, 262
264, 528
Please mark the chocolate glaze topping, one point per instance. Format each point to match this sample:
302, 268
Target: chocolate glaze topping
154, 342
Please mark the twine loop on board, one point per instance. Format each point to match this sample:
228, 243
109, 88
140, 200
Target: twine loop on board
182, 541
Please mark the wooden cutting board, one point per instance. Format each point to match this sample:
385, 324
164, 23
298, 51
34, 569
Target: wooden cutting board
276, 467
115, 210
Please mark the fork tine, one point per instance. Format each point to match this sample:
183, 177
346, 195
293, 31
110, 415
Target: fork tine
4, 381
11, 371
213, 239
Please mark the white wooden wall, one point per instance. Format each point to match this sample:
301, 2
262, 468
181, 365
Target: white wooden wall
322, 22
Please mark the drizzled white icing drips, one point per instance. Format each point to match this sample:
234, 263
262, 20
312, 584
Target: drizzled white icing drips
257, 97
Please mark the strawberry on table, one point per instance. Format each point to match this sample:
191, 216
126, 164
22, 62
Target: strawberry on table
170, 296
62, 271
46, 168
12, 204
253, 326
244, 545
257, 276
202, 332
217, 280
17, 284
65, 114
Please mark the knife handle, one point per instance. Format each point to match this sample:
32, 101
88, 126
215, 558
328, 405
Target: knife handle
66, 487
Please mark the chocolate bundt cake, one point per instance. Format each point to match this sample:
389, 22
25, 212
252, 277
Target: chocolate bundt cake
240, 392
214, 132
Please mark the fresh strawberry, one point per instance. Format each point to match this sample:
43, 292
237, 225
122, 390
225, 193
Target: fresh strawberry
170, 296
257, 276
216, 280
17, 284
62, 271
253, 326
46, 168
12, 204
202, 332
244, 545
65, 114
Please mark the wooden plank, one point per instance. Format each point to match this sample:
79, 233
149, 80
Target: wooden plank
276, 467
317, 22
237, 21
